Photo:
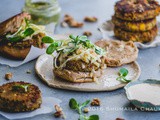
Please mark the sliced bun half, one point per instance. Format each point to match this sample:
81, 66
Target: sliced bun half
118, 52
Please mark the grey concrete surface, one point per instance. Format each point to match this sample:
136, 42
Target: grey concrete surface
112, 102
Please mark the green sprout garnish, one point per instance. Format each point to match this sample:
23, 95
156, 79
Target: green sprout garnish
123, 72
20, 87
21, 33
75, 41
73, 104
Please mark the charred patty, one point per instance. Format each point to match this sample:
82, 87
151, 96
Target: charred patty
143, 37
19, 97
136, 10
138, 26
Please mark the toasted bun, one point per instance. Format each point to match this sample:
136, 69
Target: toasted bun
13, 23
118, 52
13, 52
77, 77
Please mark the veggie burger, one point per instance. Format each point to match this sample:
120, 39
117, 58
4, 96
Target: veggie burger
17, 35
77, 59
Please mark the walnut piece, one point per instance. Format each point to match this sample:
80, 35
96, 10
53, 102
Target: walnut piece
71, 22
59, 112
8, 76
90, 19
87, 33
95, 102
86, 110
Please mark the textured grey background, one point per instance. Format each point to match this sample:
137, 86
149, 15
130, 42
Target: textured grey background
149, 61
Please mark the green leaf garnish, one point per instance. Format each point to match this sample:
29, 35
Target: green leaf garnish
123, 72
73, 104
47, 39
93, 117
21, 33
20, 88
28, 32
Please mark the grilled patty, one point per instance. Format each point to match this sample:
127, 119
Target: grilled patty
138, 26
136, 10
82, 66
143, 37
12, 100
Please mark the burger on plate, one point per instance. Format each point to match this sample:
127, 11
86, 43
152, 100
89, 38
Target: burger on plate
76, 59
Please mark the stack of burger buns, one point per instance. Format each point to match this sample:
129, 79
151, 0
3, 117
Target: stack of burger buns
135, 20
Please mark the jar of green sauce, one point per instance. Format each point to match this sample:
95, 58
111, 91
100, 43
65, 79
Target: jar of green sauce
43, 12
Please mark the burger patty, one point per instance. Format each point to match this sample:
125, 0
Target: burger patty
18, 100
136, 10
138, 26
35, 41
81, 66
143, 37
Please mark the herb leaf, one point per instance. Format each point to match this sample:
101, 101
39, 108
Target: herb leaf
28, 32
19, 87
15, 38
73, 104
123, 72
82, 38
51, 48
85, 103
93, 117
47, 39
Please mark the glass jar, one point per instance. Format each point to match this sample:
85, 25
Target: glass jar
43, 12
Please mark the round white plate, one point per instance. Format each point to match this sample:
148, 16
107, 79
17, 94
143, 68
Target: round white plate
107, 82
107, 33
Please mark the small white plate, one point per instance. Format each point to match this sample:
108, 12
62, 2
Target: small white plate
107, 33
46, 107
107, 82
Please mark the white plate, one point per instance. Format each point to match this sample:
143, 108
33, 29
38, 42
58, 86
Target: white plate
46, 107
107, 33
108, 82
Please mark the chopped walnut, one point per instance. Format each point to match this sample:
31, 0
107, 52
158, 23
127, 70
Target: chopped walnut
120, 119
87, 33
59, 112
95, 102
8, 76
71, 22
86, 110
90, 19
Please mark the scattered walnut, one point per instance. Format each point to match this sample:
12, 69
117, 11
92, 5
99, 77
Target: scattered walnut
95, 102
28, 71
71, 22
120, 119
59, 112
87, 33
86, 110
8, 76
90, 19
